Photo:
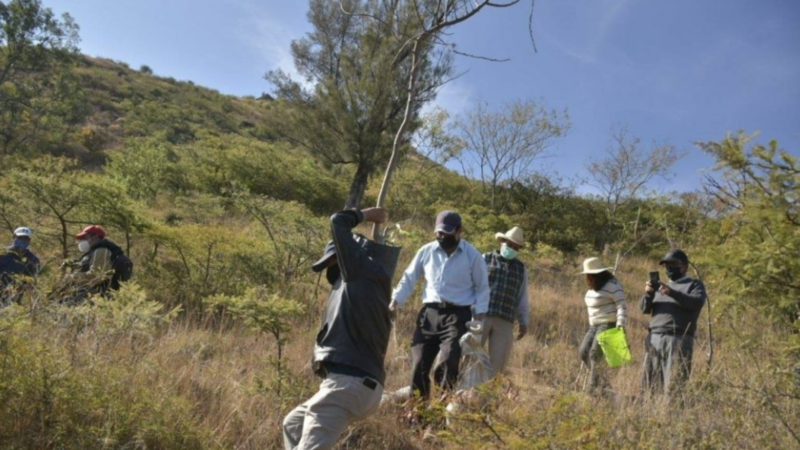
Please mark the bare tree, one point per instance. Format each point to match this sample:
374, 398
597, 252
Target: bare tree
625, 172
434, 141
503, 145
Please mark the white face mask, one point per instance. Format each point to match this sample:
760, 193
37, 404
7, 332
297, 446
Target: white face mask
84, 246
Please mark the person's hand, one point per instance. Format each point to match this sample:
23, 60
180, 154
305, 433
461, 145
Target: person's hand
523, 330
649, 288
665, 290
392, 310
375, 215
479, 317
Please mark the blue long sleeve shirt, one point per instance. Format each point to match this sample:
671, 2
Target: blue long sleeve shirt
461, 279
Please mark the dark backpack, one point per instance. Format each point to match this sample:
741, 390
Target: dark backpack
123, 270
123, 266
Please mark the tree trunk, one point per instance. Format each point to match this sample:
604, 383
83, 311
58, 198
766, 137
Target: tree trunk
359, 185
377, 235
64, 236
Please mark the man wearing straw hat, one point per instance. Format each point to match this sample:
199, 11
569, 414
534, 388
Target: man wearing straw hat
674, 307
508, 282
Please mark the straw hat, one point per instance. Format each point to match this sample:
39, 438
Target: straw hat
513, 235
593, 265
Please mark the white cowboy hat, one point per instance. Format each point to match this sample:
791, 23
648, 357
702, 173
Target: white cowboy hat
593, 265
513, 235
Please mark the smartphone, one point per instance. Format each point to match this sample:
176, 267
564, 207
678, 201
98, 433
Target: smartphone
654, 280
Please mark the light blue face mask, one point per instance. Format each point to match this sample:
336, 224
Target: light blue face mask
20, 244
507, 252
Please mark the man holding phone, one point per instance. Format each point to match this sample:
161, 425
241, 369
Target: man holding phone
675, 308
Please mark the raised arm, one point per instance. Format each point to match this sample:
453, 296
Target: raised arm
352, 258
646, 303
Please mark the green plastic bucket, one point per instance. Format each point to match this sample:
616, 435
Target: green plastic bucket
615, 347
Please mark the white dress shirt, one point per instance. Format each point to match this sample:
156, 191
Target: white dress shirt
461, 279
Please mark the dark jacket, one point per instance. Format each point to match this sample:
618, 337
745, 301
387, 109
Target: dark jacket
676, 314
12, 264
356, 328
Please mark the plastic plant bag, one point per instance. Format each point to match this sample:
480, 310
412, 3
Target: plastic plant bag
614, 344
476, 367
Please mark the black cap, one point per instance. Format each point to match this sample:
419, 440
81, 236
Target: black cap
675, 256
330, 250
448, 222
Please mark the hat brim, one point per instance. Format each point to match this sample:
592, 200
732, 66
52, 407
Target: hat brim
666, 260
596, 271
503, 237
322, 263
446, 230
81, 235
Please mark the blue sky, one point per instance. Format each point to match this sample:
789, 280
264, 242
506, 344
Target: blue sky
674, 72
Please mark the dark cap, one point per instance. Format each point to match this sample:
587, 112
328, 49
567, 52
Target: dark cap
448, 222
330, 250
675, 256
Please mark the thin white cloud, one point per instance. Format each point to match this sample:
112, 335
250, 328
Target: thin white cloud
270, 37
585, 47
455, 97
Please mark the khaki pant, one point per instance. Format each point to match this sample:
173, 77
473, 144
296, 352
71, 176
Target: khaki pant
500, 334
340, 401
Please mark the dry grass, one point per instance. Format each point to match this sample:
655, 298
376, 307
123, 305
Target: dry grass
224, 374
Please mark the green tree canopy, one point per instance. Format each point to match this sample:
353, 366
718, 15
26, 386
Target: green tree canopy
353, 93
38, 91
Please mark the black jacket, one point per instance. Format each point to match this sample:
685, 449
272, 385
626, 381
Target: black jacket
356, 328
676, 315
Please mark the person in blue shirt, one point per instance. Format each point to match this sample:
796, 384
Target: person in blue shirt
17, 261
456, 291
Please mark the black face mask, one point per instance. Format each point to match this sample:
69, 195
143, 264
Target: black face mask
332, 274
448, 242
674, 273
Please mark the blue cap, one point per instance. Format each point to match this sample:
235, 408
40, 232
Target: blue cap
448, 222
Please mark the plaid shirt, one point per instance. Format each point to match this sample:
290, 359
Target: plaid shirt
508, 284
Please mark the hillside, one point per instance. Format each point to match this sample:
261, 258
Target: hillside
126, 103
208, 346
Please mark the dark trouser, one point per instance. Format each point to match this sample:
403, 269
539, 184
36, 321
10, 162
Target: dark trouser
592, 355
667, 362
438, 331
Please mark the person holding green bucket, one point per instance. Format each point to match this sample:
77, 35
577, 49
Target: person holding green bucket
605, 304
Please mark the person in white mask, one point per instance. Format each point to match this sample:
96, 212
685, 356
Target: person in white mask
508, 282
94, 271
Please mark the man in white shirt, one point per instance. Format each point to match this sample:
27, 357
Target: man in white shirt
456, 289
